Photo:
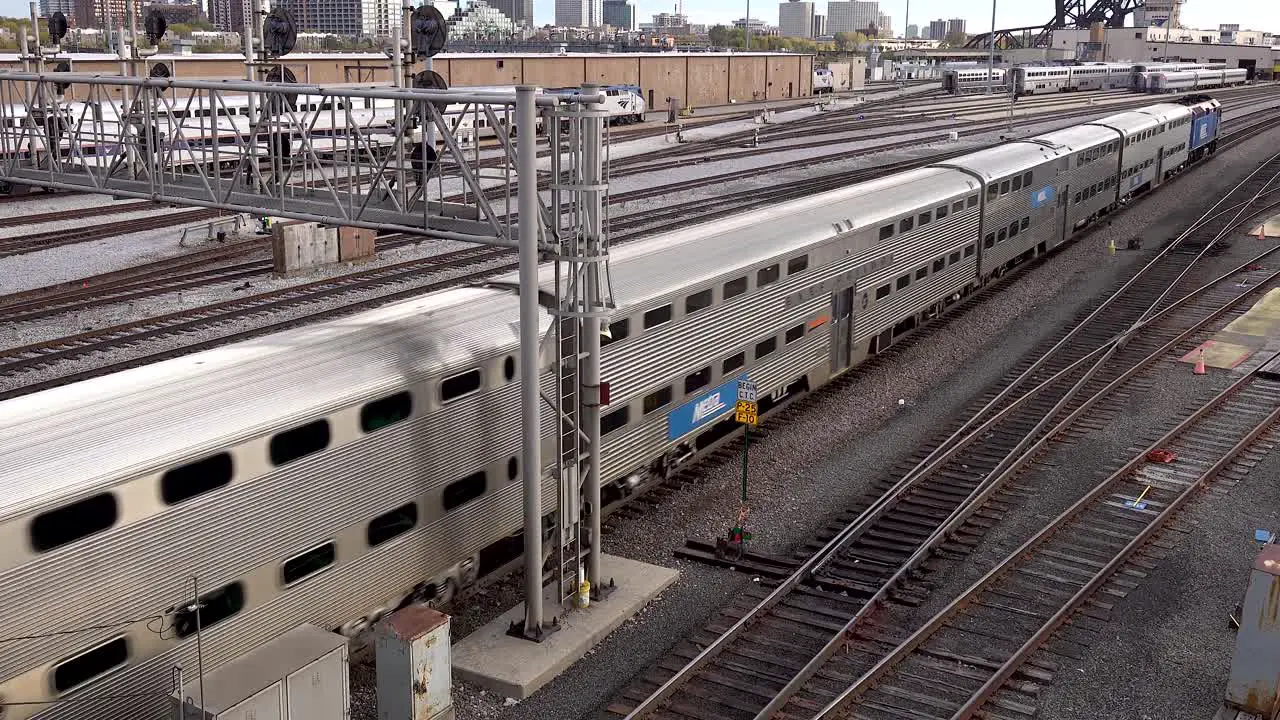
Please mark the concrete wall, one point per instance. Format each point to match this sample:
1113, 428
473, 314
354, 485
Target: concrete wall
697, 79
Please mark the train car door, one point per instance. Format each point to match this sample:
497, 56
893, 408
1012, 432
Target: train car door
1158, 178
842, 319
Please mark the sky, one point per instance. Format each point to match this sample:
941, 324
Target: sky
1251, 14
1204, 14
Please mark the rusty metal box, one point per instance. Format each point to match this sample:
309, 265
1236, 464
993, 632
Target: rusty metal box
1255, 669
414, 668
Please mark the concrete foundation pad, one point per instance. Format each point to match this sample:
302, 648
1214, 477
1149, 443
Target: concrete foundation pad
516, 668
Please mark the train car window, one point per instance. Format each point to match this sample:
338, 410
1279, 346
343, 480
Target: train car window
1026, 223
766, 347
735, 287
941, 212
618, 330
1017, 184
1075, 198
882, 292
939, 264
215, 607
988, 242
922, 273
954, 258
89, 665
614, 420
769, 275
657, 399
795, 333
973, 201
993, 191
906, 224
460, 492
455, 387
903, 282
657, 316
797, 265
957, 206
969, 250
925, 218
1002, 235
1013, 229
733, 363
1004, 188
509, 368
697, 301
695, 381
393, 409
72, 522
310, 562
392, 524
886, 232
196, 478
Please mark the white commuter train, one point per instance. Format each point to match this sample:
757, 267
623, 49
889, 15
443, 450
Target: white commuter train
329, 474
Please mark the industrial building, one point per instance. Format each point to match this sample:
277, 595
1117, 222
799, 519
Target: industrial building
1151, 43
697, 79
795, 18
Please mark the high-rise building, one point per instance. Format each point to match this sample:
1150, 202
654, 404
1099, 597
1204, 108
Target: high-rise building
339, 17
519, 11
579, 13
851, 16
819, 25
937, 29
955, 26
913, 32
885, 23
229, 15
1159, 13
795, 18
617, 13
480, 21
66, 7
93, 13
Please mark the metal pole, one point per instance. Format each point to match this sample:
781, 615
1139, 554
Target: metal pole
592, 176
35, 32
195, 586
531, 421
991, 60
397, 58
746, 28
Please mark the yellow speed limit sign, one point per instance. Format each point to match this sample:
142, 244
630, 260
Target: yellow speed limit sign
746, 413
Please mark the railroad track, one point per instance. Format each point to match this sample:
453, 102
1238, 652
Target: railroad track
76, 213
776, 656
44, 354
34, 242
1049, 580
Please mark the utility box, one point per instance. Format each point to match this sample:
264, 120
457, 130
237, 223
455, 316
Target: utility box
298, 246
415, 680
301, 675
1255, 669
355, 244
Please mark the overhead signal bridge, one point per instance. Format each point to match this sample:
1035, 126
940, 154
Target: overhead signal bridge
360, 156
387, 158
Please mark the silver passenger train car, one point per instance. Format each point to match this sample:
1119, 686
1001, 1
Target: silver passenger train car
330, 473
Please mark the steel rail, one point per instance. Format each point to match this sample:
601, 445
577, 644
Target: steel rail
1009, 466
819, 558
909, 645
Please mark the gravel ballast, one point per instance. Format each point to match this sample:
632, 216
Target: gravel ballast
804, 472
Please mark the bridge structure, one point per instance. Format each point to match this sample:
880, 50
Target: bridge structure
1078, 14
388, 158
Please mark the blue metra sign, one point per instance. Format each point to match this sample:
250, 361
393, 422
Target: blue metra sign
705, 408
1042, 197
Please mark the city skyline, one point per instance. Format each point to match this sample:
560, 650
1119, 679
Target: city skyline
1250, 14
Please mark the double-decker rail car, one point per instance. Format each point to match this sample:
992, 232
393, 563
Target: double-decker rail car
329, 474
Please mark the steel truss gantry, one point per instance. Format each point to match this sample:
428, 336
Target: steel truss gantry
1068, 14
387, 158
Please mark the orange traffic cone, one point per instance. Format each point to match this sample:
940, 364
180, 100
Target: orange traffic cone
1262, 232
1200, 364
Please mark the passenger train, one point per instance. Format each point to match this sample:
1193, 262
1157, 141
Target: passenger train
1179, 81
1042, 79
331, 473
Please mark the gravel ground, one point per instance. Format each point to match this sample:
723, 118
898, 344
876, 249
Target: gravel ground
826, 459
